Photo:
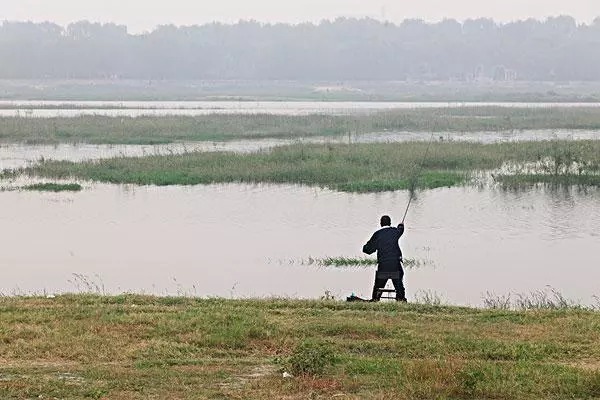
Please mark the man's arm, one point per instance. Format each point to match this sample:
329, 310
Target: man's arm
371, 246
401, 229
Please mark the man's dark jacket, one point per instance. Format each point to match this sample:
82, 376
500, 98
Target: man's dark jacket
385, 243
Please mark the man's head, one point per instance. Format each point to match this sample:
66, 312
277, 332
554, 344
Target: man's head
386, 221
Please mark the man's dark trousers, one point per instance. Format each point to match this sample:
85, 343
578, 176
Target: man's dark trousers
384, 271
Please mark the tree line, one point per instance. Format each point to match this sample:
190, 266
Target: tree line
556, 49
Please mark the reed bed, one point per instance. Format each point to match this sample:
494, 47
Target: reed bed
169, 129
546, 299
350, 168
54, 187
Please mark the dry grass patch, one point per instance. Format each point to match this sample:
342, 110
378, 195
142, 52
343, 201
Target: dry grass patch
139, 347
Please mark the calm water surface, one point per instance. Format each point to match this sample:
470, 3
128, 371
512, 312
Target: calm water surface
241, 241
246, 240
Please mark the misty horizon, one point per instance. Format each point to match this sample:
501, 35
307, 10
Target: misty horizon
557, 49
141, 16
595, 21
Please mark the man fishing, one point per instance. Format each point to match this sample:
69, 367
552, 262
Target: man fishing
389, 258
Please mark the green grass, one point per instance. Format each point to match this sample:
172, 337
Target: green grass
54, 187
138, 347
352, 168
155, 130
341, 262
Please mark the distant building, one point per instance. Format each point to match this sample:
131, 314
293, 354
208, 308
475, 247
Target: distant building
503, 74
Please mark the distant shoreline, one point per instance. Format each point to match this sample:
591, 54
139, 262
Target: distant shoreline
282, 90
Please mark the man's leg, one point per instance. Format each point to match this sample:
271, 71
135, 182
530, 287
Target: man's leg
379, 284
399, 286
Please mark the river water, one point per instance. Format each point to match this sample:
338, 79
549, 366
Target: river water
249, 240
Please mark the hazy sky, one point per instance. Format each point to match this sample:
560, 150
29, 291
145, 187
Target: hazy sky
141, 15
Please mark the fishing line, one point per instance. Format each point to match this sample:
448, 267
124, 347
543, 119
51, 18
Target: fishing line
416, 176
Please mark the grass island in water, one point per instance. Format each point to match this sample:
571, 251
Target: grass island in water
54, 187
350, 168
169, 129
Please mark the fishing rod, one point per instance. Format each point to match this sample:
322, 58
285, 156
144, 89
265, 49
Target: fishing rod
416, 176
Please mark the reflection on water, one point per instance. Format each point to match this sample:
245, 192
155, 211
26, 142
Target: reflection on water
20, 155
220, 240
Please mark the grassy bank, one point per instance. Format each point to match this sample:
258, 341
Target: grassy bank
151, 130
352, 168
134, 347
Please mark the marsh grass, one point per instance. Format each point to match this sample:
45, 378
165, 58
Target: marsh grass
428, 297
562, 163
544, 299
54, 187
353, 262
351, 168
136, 347
493, 301
86, 284
168, 129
